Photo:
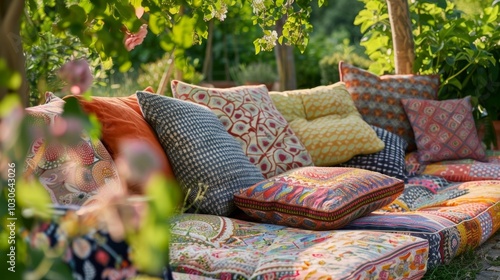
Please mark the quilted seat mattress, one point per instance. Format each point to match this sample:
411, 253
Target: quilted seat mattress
226, 248
452, 216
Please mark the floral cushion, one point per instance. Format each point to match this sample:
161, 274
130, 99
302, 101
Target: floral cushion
327, 122
249, 115
224, 248
462, 170
92, 256
390, 161
444, 130
318, 198
378, 98
205, 158
121, 119
72, 174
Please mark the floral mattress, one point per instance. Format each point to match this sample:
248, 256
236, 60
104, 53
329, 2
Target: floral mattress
451, 216
225, 248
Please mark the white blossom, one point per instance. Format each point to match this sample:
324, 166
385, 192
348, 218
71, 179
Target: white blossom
258, 6
220, 14
270, 40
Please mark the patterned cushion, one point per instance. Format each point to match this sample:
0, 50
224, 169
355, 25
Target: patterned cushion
223, 248
72, 174
202, 153
327, 122
444, 130
249, 115
390, 161
452, 226
121, 119
318, 198
462, 170
378, 98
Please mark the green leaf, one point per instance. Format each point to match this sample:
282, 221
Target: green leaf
136, 3
125, 66
256, 43
183, 32
157, 23
321, 3
8, 103
450, 60
454, 82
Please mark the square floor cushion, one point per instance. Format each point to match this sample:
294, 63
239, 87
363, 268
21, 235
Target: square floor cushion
319, 198
248, 114
327, 122
73, 174
121, 119
444, 130
378, 98
204, 157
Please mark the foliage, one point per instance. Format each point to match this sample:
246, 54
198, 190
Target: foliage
333, 25
462, 48
27, 203
151, 73
46, 53
465, 266
100, 25
329, 65
258, 72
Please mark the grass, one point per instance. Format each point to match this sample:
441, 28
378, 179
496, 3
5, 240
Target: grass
464, 266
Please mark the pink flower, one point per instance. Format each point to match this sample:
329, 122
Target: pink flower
132, 40
77, 74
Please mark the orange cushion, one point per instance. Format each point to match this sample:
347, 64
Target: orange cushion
121, 119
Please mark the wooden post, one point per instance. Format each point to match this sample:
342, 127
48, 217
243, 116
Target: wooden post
12, 49
402, 37
286, 62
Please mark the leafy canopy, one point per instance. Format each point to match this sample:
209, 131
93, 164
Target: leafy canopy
99, 25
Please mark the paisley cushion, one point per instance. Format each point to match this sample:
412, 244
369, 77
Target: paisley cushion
318, 198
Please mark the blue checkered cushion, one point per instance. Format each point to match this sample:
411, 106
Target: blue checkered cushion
200, 150
390, 161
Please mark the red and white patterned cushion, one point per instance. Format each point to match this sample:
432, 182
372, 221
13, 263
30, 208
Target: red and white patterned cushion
249, 115
444, 130
378, 98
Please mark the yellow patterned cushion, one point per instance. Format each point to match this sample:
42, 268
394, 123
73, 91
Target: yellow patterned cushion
327, 122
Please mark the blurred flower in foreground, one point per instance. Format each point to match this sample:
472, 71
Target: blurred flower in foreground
77, 74
132, 40
137, 162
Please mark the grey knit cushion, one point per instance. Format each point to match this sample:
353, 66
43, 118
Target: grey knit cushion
200, 150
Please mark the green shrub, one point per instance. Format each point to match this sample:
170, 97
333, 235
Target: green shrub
257, 72
151, 73
329, 65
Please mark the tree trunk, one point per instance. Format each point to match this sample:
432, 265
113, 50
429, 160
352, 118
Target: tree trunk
12, 49
404, 52
286, 62
207, 64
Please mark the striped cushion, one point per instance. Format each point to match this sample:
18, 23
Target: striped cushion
318, 198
